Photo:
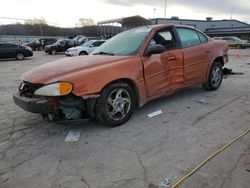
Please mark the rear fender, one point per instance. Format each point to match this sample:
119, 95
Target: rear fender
220, 50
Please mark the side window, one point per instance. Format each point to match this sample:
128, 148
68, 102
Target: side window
188, 37
164, 38
43, 41
202, 37
98, 43
50, 40
102, 42
63, 42
71, 42
10, 46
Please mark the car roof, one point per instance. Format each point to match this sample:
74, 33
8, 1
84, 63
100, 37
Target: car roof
92, 37
161, 26
7, 43
97, 40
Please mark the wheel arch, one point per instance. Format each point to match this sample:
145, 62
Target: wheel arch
20, 52
217, 59
220, 60
131, 83
83, 51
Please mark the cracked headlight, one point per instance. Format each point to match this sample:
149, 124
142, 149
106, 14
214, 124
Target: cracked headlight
55, 89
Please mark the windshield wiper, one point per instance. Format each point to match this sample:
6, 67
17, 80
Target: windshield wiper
103, 53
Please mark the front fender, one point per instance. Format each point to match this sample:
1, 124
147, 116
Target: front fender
90, 81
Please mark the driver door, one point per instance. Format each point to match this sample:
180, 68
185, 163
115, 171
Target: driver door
61, 46
163, 72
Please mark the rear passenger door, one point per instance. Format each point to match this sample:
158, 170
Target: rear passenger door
197, 55
62, 46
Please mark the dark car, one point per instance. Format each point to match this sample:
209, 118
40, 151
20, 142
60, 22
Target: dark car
59, 46
8, 50
39, 44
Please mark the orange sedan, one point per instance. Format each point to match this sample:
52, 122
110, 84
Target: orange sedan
124, 73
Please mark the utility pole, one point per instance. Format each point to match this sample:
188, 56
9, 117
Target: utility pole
165, 8
231, 14
41, 30
76, 30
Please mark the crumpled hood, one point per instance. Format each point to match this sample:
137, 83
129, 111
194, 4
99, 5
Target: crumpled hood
49, 72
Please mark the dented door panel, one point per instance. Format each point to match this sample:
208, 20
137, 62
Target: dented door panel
163, 72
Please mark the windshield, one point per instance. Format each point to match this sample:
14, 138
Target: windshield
237, 39
125, 43
34, 41
87, 44
58, 41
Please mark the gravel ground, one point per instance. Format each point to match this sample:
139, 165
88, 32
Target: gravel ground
139, 154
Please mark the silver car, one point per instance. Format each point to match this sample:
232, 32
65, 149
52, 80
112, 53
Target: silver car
84, 49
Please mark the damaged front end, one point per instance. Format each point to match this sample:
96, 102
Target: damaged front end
54, 102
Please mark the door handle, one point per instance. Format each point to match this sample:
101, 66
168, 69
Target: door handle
172, 58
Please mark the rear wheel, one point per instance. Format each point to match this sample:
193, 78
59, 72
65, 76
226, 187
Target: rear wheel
20, 56
116, 104
215, 77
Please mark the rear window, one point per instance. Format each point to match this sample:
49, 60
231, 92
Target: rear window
9, 46
188, 37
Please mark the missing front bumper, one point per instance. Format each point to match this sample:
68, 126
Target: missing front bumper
33, 105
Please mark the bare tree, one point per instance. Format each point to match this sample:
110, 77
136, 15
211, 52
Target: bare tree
85, 22
36, 21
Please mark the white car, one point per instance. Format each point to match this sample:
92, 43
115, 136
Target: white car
84, 49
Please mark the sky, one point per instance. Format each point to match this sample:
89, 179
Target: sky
66, 13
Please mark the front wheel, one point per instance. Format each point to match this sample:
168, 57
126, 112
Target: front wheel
53, 52
215, 77
20, 56
116, 104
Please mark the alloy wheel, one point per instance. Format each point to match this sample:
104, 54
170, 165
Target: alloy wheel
118, 104
216, 76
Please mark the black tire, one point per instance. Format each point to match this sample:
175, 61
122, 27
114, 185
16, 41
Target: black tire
83, 53
103, 106
53, 52
20, 56
214, 82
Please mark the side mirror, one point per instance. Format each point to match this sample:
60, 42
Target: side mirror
155, 49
